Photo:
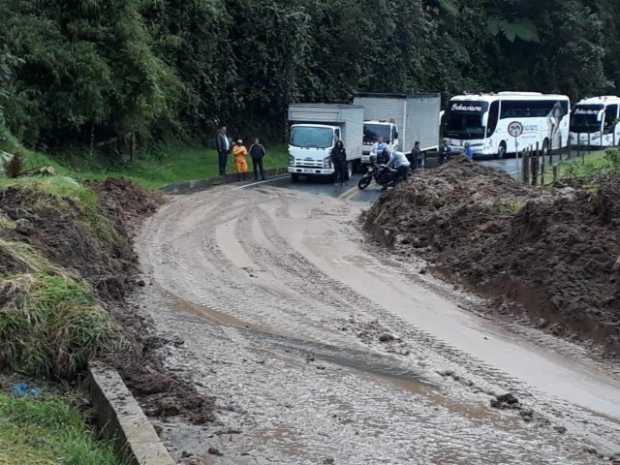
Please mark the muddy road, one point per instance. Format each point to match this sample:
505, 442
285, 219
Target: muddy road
321, 349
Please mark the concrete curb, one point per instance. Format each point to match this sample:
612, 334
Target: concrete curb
120, 417
188, 187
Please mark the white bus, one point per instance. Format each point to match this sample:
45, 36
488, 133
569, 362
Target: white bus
483, 120
596, 121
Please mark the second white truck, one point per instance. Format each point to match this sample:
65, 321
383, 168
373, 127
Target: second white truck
399, 120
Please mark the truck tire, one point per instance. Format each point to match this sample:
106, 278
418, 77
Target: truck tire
294, 177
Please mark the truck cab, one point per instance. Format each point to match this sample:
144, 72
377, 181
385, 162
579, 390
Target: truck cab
313, 132
376, 131
309, 149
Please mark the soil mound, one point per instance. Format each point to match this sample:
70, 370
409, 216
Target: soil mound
554, 255
126, 202
92, 239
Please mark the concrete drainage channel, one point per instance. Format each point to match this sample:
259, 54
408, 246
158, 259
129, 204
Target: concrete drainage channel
188, 187
120, 417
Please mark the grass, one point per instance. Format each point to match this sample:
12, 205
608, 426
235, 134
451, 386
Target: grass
594, 163
169, 164
51, 325
48, 432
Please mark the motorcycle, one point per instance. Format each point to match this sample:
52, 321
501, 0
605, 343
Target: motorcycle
382, 175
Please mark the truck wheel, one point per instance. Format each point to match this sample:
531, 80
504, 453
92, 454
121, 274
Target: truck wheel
294, 177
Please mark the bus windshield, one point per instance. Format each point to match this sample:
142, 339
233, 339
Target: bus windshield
311, 137
585, 119
464, 120
373, 132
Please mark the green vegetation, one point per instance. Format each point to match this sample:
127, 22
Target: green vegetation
124, 73
50, 324
593, 164
48, 432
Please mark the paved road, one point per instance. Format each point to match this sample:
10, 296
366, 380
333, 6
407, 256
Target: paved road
282, 306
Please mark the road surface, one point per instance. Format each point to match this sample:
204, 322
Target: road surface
322, 349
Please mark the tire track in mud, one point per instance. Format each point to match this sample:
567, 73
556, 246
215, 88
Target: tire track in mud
306, 301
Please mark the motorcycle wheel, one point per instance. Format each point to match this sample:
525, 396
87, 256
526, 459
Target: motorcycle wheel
364, 182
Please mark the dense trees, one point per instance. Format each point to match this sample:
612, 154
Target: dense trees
86, 71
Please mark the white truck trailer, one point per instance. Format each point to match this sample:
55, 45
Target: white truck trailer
400, 120
596, 122
314, 130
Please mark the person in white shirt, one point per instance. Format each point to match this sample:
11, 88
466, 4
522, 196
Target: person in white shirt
399, 162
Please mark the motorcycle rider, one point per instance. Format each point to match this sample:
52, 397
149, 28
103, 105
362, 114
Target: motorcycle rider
401, 164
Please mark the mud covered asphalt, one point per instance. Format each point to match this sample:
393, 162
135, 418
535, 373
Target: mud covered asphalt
321, 349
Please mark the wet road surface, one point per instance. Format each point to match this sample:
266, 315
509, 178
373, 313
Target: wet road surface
282, 306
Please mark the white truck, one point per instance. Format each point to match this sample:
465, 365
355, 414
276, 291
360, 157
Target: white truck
399, 120
596, 122
314, 130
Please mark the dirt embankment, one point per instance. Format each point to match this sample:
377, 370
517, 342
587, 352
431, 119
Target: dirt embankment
553, 256
92, 240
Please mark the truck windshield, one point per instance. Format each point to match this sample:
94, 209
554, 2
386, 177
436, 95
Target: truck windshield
464, 120
315, 137
373, 132
585, 119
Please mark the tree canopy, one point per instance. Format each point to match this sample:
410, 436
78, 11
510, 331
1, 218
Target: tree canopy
74, 71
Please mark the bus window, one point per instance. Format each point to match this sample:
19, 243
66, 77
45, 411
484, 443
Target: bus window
492, 121
611, 116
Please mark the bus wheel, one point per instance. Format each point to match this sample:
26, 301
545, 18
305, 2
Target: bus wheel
501, 152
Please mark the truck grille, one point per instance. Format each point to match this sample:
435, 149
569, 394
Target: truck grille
308, 164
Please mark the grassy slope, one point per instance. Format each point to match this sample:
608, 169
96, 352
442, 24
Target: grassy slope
593, 162
171, 164
48, 432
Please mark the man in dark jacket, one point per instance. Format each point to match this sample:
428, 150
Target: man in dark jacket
339, 160
444, 152
415, 157
222, 145
257, 152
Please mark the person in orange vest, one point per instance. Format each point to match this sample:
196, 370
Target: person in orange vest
240, 153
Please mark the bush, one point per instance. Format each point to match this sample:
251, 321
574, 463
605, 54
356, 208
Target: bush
15, 166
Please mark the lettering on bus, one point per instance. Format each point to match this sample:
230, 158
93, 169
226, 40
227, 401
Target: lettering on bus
468, 107
585, 111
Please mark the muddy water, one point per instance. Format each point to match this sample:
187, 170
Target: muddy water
281, 305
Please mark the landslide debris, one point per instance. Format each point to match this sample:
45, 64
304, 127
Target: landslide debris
552, 254
66, 265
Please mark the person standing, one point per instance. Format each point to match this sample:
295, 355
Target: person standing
469, 151
257, 152
416, 155
339, 160
222, 145
444, 152
240, 153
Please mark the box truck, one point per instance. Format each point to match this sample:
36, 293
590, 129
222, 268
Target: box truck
399, 120
314, 130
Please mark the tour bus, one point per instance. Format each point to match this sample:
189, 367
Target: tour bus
490, 122
596, 122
